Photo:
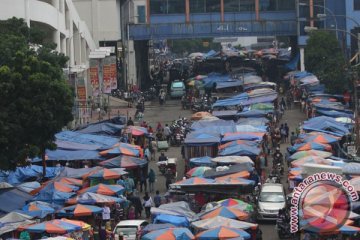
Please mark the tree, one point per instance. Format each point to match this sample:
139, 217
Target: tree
35, 100
324, 58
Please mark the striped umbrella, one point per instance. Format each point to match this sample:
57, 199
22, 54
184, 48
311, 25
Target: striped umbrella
124, 149
326, 139
197, 171
93, 198
229, 212
195, 181
104, 189
301, 154
310, 159
79, 210
222, 233
169, 234
71, 181
38, 209
242, 174
122, 161
136, 130
310, 146
114, 173
53, 227
230, 202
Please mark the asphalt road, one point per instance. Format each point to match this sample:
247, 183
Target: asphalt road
155, 113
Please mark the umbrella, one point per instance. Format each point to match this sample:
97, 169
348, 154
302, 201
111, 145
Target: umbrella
325, 139
153, 227
229, 212
136, 130
233, 160
71, 181
200, 115
38, 209
262, 106
230, 202
92, 198
222, 233
238, 142
197, 171
242, 174
104, 189
309, 146
195, 181
54, 227
235, 181
79, 210
301, 154
169, 234
124, 149
310, 159
126, 162
82, 224
222, 222
114, 173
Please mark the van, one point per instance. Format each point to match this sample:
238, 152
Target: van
130, 229
177, 89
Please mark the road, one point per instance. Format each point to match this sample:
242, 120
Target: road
172, 110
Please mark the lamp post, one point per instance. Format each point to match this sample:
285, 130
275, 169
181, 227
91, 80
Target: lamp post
355, 83
326, 9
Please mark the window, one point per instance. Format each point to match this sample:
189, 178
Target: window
197, 6
247, 5
176, 6
213, 6
356, 4
231, 5
141, 14
158, 7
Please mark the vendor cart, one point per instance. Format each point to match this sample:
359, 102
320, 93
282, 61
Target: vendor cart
168, 164
162, 146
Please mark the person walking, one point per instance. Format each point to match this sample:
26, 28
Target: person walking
157, 199
130, 122
143, 184
168, 176
167, 132
148, 203
152, 179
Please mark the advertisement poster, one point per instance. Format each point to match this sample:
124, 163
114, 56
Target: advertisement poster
94, 77
113, 70
107, 75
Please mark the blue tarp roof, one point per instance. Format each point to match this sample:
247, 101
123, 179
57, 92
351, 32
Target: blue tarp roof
216, 127
21, 174
253, 121
262, 99
12, 199
104, 142
242, 136
201, 139
334, 113
104, 128
240, 150
326, 125
67, 155
178, 221
215, 78
254, 113
50, 194
202, 161
232, 101
228, 84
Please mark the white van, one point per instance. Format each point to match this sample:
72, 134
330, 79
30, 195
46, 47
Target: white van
130, 229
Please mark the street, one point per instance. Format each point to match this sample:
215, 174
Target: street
155, 113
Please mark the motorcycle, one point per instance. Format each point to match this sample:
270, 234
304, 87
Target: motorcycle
283, 229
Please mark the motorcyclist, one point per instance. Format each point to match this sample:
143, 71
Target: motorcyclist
277, 157
162, 157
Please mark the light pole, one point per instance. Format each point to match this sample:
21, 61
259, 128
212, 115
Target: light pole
326, 9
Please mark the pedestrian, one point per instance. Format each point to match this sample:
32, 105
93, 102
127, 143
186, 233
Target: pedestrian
147, 153
262, 167
158, 127
152, 179
148, 203
143, 184
167, 132
157, 199
136, 202
131, 214
286, 127
283, 103
293, 137
168, 176
130, 122
282, 133
162, 157
105, 213
150, 130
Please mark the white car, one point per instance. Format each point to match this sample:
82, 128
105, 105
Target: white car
271, 200
130, 229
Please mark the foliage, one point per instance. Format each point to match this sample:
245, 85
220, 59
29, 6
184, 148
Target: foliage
35, 101
324, 58
181, 46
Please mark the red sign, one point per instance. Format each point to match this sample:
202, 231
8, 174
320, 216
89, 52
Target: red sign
81, 94
107, 78
113, 71
94, 79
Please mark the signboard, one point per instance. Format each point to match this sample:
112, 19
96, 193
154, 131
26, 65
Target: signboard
107, 78
109, 74
81, 94
94, 77
113, 72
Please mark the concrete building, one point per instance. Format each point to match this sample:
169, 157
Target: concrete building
352, 24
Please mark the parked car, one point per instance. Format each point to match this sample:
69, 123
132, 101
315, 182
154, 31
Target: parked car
130, 229
271, 199
177, 89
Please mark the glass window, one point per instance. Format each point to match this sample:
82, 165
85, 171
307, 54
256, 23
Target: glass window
247, 5
158, 7
213, 6
356, 4
141, 14
197, 6
176, 6
231, 5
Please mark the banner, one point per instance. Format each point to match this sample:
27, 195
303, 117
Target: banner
113, 70
107, 75
81, 94
94, 77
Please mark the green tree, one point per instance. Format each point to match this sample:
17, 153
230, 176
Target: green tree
35, 100
324, 58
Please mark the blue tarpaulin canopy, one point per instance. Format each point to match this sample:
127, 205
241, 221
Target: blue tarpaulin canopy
202, 161
326, 125
228, 84
216, 127
254, 113
178, 221
200, 139
253, 121
66, 155
12, 199
250, 136
104, 128
21, 174
334, 113
105, 142
240, 150
262, 99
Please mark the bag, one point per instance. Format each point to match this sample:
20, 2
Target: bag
148, 203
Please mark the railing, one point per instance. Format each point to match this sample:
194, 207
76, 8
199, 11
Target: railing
213, 29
